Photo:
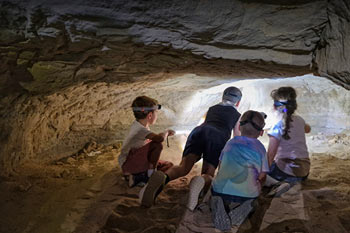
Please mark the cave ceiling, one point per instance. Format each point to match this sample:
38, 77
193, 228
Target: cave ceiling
49, 45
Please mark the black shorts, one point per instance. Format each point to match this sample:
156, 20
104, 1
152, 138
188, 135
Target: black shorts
207, 142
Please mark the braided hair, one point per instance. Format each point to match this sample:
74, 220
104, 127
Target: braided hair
285, 96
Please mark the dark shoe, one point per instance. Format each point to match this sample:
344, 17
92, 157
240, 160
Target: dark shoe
152, 189
137, 179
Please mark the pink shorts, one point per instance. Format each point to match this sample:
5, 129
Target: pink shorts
137, 161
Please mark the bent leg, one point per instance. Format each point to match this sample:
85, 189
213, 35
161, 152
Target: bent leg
137, 160
155, 148
208, 172
183, 168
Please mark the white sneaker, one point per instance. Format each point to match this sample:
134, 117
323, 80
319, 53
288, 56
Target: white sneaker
279, 189
196, 185
269, 182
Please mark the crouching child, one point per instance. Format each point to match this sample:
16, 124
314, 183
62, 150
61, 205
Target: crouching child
141, 149
242, 171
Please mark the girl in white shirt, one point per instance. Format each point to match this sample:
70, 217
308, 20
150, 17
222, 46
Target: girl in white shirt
287, 151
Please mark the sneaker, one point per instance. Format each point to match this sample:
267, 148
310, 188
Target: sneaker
279, 189
196, 186
270, 181
153, 188
139, 179
240, 213
219, 216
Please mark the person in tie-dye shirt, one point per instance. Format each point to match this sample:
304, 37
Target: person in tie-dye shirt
242, 172
243, 162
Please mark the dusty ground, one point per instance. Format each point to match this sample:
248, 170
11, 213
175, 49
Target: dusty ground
85, 193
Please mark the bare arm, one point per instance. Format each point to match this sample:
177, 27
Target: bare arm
236, 131
307, 128
262, 178
272, 149
161, 136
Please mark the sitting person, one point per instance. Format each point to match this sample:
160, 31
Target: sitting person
242, 172
141, 148
287, 151
207, 141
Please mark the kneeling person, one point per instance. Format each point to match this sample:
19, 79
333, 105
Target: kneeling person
242, 170
141, 148
205, 141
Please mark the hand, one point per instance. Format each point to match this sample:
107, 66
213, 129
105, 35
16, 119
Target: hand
259, 185
171, 132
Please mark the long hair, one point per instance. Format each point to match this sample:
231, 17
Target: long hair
289, 96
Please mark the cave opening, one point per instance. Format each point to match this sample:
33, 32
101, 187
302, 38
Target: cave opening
73, 139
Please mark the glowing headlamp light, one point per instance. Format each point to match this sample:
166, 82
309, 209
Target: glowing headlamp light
280, 103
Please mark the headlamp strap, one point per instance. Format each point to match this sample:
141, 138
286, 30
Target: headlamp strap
142, 109
279, 103
250, 120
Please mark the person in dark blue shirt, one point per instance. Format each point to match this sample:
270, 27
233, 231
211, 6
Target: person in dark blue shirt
205, 141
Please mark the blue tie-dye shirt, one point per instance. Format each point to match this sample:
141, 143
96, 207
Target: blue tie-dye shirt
242, 160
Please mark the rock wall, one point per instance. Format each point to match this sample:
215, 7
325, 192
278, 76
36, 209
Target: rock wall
46, 128
333, 55
69, 71
277, 32
49, 127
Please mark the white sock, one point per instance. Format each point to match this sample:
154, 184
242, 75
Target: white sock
270, 181
150, 172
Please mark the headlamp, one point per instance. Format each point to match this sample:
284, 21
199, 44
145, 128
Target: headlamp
142, 109
280, 103
250, 120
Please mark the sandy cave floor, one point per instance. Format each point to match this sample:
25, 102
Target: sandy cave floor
85, 193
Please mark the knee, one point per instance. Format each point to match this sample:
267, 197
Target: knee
208, 169
164, 166
157, 145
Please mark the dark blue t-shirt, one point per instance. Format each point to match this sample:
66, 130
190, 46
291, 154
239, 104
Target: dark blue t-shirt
223, 118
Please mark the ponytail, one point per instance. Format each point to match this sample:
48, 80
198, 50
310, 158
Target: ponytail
288, 95
291, 107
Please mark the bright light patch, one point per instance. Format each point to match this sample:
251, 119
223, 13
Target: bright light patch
196, 94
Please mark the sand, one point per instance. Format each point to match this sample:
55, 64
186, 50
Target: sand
85, 192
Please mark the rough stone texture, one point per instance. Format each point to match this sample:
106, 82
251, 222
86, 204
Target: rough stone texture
66, 69
333, 56
44, 128
277, 32
272, 32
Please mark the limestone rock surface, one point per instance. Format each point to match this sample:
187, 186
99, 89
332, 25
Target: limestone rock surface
333, 56
69, 70
277, 32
